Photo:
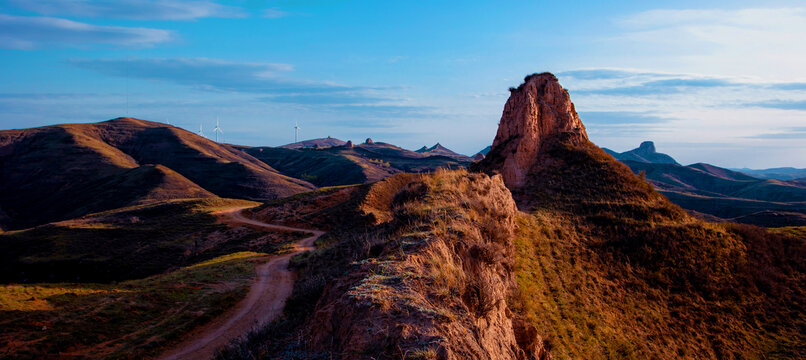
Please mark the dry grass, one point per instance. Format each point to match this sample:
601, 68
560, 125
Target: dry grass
126, 320
607, 268
129, 243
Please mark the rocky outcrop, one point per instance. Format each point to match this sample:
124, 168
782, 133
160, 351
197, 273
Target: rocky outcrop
349, 144
439, 292
645, 153
478, 157
538, 111
368, 141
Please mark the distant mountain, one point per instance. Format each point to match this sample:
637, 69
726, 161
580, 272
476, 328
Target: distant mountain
354, 164
485, 151
644, 153
61, 172
313, 143
782, 173
728, 194
438, 149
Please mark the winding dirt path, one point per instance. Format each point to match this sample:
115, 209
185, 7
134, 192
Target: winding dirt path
264, 302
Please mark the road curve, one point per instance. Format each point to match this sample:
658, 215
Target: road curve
264, 302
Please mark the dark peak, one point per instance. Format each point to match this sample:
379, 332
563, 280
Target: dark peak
422, 149
647, 146
368, 141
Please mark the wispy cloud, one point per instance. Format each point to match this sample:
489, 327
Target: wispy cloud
131, 9
637, 83
620, 117
23, 32
274, 13
781, 104
272, 81
758, 41
338, 98
212, 74
786, 133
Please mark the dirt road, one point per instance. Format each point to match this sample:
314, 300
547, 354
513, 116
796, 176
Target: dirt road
264, 302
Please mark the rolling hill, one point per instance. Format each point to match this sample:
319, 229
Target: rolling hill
315, 143
720, 194
60, 172
728, 194
782, 173
352, 164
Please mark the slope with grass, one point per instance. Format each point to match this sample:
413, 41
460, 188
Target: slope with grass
204, 258
128, 320
128, 243
608, 268
60, 172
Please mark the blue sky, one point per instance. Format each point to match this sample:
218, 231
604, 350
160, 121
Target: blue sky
721, 82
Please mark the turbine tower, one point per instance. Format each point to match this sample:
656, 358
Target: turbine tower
201, 130
217, 129
296, 132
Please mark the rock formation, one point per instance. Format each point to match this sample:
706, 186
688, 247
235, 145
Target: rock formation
645, 153
537, 111
349, 144
478, 157
368, 141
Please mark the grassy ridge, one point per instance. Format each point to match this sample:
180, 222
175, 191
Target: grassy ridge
608, 268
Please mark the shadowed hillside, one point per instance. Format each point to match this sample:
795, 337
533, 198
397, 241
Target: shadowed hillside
353, 164
728, 194
64, 171
127, 243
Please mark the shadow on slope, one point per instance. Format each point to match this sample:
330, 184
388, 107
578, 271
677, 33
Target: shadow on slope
59, 172
128, 243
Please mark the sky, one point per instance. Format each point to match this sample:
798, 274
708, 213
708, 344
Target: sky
721, 82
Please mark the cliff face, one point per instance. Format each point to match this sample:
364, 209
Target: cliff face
537, 111
438, 290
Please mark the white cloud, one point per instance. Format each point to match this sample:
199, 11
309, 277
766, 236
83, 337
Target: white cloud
23, 32
690, 113
131, 9
760, 42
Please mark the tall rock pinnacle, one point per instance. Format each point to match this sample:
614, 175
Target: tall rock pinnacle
539, 109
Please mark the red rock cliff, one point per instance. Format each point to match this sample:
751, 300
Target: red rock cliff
538, 110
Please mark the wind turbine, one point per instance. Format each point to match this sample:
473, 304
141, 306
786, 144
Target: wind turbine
201, 130
217, 129
296, 131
